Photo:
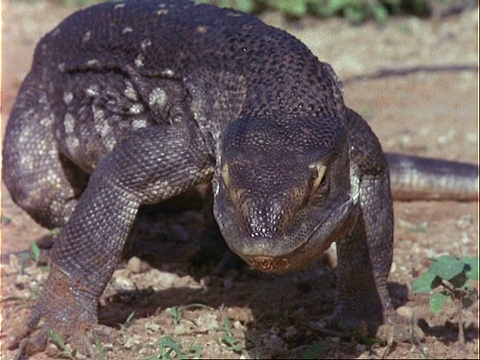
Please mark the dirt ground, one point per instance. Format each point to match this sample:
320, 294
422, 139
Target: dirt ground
429, 114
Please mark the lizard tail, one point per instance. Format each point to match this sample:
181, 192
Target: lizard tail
416, 178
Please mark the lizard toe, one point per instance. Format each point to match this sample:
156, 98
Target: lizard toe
55, 344
67, 316
20, 339
346, 325
400, 329
82, 342
30, 345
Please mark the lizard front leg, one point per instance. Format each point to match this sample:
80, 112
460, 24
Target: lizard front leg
152, 165
365, 255
364, 260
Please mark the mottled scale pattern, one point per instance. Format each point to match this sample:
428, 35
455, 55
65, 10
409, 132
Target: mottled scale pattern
282, 73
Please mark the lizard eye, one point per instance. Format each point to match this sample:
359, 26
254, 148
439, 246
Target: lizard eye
318, 184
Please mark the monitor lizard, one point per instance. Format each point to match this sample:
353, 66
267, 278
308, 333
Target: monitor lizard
131, 103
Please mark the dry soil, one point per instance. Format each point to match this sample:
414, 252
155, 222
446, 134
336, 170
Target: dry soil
428, 114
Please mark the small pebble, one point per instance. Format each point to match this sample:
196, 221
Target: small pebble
134, 265
121, 283
228, 283
238, 325
206, 281
290, 331
405, 312
300, 312
360, 347
152, 327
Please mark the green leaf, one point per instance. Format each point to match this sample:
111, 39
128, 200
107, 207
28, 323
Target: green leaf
227, 326
447, 267
128, 321
437, 302
245, 5
425, 283
195, 351
35, 251
175, 312
5, 220
235, 344
295, 8
380, 13
355, 15
471, 267
57, 339
167, 345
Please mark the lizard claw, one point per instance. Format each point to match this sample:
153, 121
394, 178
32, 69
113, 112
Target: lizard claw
29, 345
344, 326
41, 339
23, 338
68, 315
395, 328
400, 329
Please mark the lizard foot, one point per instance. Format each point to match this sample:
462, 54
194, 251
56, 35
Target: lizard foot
395, 328
400, 328
68, 314
55, 344
345, 326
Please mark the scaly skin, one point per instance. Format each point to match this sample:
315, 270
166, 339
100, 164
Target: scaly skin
131, 104
415, 178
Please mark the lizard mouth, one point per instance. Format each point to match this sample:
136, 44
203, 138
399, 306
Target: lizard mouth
269, 264
298, 259
333, 228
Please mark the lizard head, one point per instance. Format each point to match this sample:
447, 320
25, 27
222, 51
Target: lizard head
283, 192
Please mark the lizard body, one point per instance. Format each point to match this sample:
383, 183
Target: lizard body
131, 103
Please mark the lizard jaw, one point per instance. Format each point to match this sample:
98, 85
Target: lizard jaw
333, 228
269, 263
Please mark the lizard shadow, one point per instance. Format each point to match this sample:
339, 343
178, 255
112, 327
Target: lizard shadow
270, 304
449, 332
264, 304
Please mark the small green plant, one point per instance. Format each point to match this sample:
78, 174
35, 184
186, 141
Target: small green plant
229, 339
5, 220
128, 322
67, 351
79, 2
168, 349
175, 311
453, 278
355, 11
101, 349
35, 249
